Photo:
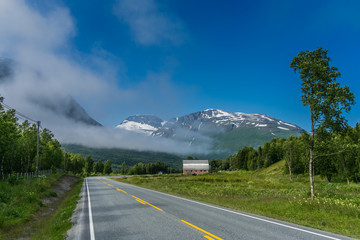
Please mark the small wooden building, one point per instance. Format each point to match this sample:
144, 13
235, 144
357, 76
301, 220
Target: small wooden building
195, 167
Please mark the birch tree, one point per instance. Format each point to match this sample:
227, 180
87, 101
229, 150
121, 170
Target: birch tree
323, 95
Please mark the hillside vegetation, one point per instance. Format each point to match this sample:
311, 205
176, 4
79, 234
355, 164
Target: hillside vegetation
269, 192
131, 157
247, 137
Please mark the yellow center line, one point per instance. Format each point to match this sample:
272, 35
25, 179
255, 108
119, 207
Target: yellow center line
202, 230
100, 180
140, 201
120, 190
147, 203
154, 206
110, 185
207, 237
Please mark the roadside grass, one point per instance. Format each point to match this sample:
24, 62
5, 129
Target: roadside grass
57, 226
19, 199
20, 203
269, 192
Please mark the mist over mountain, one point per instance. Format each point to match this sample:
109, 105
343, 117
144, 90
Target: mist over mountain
212, 132
6, 69
58, 103
68, 107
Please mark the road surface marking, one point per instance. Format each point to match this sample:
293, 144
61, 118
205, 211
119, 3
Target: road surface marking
110, 185
239, 213
120, 190
92, 233
100, 180
202, 230
207, 237
147, 203
140, 201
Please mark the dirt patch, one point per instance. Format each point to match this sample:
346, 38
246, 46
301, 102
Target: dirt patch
60, 187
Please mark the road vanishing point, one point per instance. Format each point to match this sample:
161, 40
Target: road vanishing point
114, 210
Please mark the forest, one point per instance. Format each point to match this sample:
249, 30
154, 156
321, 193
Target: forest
146, 168
18, 150
337, 156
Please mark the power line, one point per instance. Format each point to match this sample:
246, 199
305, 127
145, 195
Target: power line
19, 114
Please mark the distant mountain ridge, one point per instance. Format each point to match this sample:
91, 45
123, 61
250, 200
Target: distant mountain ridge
221, 129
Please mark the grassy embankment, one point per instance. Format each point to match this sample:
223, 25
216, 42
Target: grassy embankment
270, 193
23, 213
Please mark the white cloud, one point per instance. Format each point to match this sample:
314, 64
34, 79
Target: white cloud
49, 69
148, 23
22, 26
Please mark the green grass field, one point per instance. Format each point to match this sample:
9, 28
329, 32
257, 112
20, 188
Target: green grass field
270, 193
20, 204
20, 199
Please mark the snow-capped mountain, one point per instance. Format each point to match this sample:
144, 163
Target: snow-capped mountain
213, 120
223, 130
147, 124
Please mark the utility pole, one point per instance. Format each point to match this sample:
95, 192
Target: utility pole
37, 147
64, 160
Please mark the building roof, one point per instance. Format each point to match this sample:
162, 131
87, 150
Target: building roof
196, 165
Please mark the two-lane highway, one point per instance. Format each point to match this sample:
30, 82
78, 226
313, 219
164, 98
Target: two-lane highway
114, 210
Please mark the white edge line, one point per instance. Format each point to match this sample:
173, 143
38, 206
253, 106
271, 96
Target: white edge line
92, 233
238, 213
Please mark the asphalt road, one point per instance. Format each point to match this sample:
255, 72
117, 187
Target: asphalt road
112, 210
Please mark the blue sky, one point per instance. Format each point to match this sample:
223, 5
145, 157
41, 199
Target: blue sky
174, 57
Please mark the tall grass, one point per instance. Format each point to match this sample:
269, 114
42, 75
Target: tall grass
19, 199
270, 193
58, 225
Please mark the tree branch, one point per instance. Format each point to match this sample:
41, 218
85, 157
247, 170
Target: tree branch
330, 154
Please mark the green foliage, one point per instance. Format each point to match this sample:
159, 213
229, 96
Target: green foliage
99, 167
216, 165
13, 180
53, 169
89, 164
321, 91
107, 167
148, 168
337, 156
18, 149
250, 159
18, 143
124, 168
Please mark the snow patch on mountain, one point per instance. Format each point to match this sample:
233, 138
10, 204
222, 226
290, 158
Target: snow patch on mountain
146, 124
137, 127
